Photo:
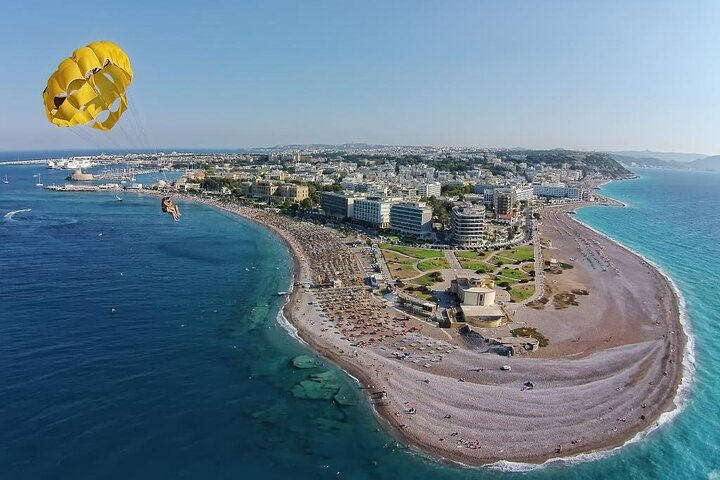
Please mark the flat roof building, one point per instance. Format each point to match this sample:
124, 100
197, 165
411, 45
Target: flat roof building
337, 205
293, 192
372, 211
477, 297
559, 191
263, 190
411, 219
427, 190
504, 200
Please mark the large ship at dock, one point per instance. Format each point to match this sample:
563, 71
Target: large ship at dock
71, 164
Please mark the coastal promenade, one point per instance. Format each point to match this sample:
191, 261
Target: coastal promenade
612, 365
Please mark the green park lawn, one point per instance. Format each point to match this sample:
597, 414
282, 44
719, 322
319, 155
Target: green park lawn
522, 292
420, 253
395, 257
480, 267
498, 280
514, 273
524, 254
427, 280
470, 255
500, 260
433, 264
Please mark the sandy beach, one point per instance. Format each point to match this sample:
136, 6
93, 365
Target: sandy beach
612, 367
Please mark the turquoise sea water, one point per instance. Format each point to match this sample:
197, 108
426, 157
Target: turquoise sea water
190, 375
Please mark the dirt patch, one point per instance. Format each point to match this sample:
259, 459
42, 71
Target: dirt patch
532, 333
563, 300
539, 304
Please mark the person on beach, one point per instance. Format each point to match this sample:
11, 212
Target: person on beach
168, 206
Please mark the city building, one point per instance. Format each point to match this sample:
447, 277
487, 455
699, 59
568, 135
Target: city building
524, 193
411, 219
427, 190
246, 188
374, 211
337, 205
293, 192
482, 188
558, 191
504, 200
277, 175
488, 196
264, 190
477, 301
468, 225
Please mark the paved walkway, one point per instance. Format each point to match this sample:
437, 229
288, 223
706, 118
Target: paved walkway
539, 266
452, 260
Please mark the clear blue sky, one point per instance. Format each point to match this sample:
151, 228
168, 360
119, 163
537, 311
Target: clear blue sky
576, 74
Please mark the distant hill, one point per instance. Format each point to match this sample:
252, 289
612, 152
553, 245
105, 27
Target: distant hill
589, 162
708, 164
645, 162
664, 156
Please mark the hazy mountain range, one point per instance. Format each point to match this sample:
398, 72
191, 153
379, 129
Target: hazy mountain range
666, 156
648, 159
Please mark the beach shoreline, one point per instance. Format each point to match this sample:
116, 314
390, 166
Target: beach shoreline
361, 363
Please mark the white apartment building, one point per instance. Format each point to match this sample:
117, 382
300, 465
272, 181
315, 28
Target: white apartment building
372, 211
560, 191
524, 193
427, 190
468, 225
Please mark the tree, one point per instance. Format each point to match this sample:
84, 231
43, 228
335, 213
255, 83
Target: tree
306, 204
456, 190
441, 210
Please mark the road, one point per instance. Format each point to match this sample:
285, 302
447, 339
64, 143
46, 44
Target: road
452, 260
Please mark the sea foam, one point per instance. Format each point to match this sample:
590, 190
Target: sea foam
11, 215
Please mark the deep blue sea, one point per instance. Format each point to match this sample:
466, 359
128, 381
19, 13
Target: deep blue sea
134, 347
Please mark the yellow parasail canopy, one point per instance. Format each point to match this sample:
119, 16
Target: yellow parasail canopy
89, 87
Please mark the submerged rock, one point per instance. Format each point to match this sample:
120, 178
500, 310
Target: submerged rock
344, 398
319, 386
328, 424
305, 361
272, 415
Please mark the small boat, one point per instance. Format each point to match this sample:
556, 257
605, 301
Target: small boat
6, 179
282, 293
39, 182
118, 199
